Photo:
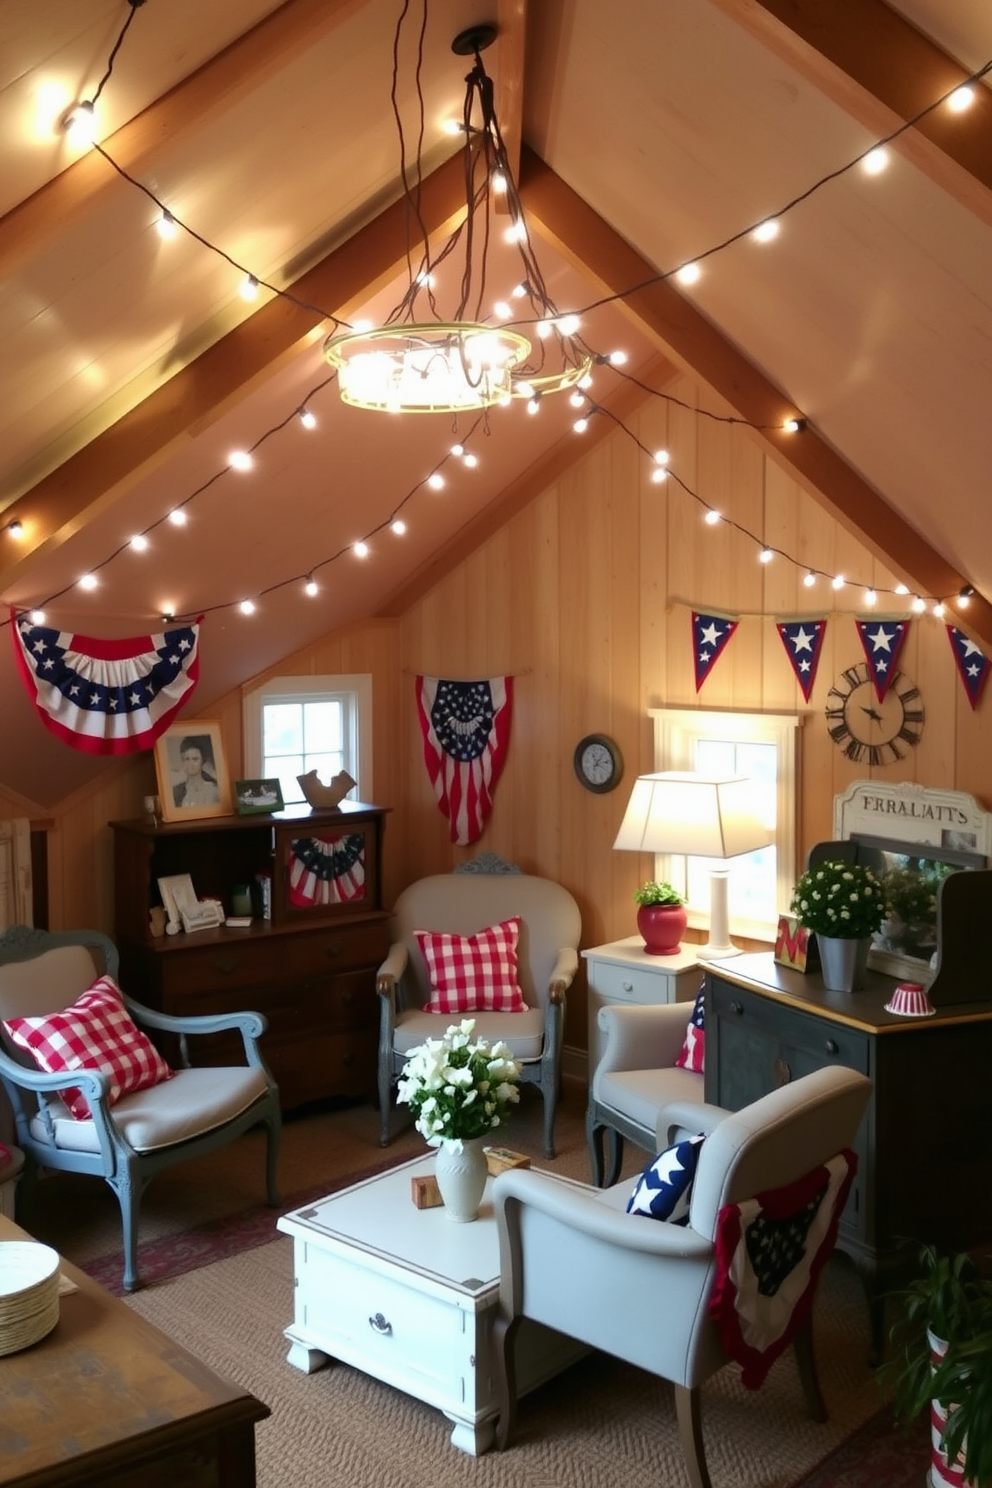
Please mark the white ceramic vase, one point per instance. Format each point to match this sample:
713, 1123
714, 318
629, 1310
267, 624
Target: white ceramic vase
843, 963
461, 1178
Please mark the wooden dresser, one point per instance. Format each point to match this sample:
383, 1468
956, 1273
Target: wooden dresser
309, 968
107, 1400
924, 1146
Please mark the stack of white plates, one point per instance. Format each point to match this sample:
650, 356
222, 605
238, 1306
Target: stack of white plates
29, 1293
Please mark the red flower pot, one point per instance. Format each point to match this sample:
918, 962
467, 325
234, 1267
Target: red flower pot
662, 926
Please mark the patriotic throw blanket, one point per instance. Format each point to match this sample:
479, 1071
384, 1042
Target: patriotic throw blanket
770, 1251
466, 731
106, 697
326, 870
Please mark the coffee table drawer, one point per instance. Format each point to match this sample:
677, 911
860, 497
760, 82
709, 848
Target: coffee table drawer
421, 1343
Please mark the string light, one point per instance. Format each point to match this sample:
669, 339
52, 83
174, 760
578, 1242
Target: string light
88, 581
871, 160
16, 528
436, 480
166, 226
871, 598
308, 419
398, 526
361, 549
247, 607
311, 587
712, 517
838, 581
240, 460
249, 288
766, 555
139, 542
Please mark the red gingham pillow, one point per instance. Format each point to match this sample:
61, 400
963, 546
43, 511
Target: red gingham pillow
95, 1033
693, 1053
473, 973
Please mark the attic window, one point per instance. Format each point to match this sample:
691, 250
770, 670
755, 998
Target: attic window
296, 724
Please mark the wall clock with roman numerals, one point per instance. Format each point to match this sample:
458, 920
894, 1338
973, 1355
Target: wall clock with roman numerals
866, 730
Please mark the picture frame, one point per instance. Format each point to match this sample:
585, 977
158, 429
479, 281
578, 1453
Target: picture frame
178, 896
191, 769
258, 797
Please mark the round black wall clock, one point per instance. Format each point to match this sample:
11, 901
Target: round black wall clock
869, 731
598, 763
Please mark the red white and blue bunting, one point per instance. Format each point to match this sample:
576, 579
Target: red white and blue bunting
106, 697
326, 870
465, 728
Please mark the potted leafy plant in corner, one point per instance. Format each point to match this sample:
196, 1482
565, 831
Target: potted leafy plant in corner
844, 904
661, 917
942, 1361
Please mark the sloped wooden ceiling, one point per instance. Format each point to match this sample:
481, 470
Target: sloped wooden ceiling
654, 135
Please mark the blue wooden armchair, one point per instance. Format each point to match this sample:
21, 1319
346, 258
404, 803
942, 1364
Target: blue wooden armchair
198, 1111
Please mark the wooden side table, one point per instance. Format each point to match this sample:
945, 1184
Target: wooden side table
623, 972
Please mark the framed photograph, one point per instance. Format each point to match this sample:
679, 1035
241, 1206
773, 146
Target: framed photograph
192, 771
178, 896
254, 796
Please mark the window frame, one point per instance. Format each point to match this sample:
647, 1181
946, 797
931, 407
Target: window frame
356, 687
676, 733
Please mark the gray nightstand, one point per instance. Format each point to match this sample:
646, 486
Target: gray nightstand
623, 972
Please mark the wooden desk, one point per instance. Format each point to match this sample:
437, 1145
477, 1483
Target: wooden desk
108, 1400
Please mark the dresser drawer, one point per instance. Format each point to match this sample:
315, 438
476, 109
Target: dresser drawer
338, 949
219, 968
630, 984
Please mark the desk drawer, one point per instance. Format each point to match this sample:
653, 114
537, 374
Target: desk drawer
815, 1041
217, 968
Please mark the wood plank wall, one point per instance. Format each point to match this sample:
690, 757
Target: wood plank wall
585, 597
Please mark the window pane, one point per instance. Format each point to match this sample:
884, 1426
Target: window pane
282, 728
323, 726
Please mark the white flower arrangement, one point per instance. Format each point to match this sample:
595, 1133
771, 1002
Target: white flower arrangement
845, 900
458, 1087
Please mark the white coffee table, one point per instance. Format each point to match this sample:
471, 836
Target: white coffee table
409, 1296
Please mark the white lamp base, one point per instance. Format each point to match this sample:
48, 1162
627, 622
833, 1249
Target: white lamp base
719, 946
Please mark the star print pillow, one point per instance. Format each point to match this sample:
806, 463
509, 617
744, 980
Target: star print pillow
664, 1189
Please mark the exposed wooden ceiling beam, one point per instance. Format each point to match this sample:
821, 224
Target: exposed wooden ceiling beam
552, 465
233, 74
511, 21
876, 66
106, 468
589, 243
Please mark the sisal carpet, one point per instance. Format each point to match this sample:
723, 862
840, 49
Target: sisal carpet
219, 1280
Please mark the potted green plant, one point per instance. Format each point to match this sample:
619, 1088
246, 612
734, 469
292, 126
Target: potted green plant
942, 1360
661, 917
843, 904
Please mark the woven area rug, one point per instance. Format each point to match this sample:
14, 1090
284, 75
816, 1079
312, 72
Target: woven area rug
218, 1279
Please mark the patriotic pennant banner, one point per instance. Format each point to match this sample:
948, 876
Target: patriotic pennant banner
882, 641
972, 664
326, 870
466, 732
710, 634
106, 697
803, 642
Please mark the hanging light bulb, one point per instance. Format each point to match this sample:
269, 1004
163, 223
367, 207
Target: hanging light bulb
311, 587
177, 517
361, 549
247, 607
249, 288
436, 481
79, 123
166, 226
139, 542
809, 579
766, 555
765, 232
307, 419
712, 517
398, 526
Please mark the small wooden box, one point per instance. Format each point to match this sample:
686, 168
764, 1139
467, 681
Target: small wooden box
425, 1193
498, 1159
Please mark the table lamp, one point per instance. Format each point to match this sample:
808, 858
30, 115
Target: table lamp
678, 811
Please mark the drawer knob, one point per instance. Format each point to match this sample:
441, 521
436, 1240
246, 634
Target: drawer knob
737, 1008
379, 1324
627, 986
225, 965
332, 950
832, 1046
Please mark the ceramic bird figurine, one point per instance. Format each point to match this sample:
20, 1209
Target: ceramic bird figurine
325, 797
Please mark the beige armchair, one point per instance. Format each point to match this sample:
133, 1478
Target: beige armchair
197, 1111
635, 1079
637, 1287
463, 904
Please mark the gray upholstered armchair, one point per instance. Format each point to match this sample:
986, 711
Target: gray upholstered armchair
638, 1287
635, 1079
463, 904
127, 1143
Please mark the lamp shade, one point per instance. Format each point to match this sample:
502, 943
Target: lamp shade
677, 811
